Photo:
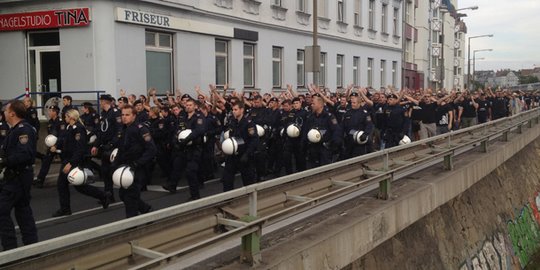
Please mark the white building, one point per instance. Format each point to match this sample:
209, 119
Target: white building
247, 44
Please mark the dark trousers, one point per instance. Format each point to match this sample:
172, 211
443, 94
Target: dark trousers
208, 162
318, 155
16, 195
106, 174
189, 162
293, 154
63, 190
352, 149
132, 195
275, 162
232, 166
45, 165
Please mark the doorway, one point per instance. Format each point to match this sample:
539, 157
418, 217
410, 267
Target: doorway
44, 65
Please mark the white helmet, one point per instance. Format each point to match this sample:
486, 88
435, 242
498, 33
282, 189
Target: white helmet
113, 154
405, 140
50, 140
230, 146
314, 135
123, 177
227, 134
182, 135
79, 177
293, 131
260, 130
356, 134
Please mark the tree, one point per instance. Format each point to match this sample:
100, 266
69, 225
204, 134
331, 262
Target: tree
528, 79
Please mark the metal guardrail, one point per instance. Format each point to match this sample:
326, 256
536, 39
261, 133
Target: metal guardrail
59, 94
384, 167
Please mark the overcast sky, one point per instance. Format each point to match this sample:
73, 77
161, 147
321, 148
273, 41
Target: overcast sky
515, 25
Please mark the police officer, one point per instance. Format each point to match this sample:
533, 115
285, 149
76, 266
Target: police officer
135, 149
142, 114
31, 113
275, 143
295, 145
188, 150
4, 127
394, 124
90, 118
241, 127
320, 153
108, 135
67, 102
287, 117
17, 155
160, 134
56, 127
213, 130
258, 114
356, 119
73, 148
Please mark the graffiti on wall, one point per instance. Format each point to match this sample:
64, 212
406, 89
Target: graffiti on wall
494, 255
524, 231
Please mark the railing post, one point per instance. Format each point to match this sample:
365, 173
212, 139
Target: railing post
251, 243
505, 136
529, 123
484, 146
520, 128
385, 185
449, 161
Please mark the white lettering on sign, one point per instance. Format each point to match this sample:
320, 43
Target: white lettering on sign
175, 23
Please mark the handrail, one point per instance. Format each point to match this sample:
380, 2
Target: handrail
56, 244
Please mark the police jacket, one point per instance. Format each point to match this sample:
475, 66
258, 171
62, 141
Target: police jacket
32, 118
213, 127
357, 119
197, 124
159, 130
56, 127
136, 146
259, 116
110, 128
246, 130
73, 146
90, 121
394, 121
19, 147
323, 121
4, 128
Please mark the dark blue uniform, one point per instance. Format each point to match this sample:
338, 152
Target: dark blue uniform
356, 119
32, 118
18, 153
4, 128
244, 160
394, 125
108, 134
293, 150
161, 135
55, 127
74, 149
188, 153
275, 142
260, 116
208, 166
320, 153
135, 149
90, 121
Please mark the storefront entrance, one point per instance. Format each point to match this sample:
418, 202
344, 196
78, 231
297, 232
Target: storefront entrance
44, 65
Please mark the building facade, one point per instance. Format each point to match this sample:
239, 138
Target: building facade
179, 44
435, 53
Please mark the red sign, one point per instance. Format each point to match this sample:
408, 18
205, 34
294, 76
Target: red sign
45, 19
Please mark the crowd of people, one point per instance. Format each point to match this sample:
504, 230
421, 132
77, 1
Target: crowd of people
259, 135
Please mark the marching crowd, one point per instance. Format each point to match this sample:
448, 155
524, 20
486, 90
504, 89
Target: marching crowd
260, 136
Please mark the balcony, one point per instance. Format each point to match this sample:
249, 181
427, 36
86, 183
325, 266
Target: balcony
411, 33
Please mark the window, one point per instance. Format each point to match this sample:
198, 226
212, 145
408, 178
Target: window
370, 72
300, 71
276, 3
341, 11
356, 70
322, 77
384, 17
339, 71
394, 73
383, 73
222, 63
159, 64
301, 5
408, 51
249, 65
276, 66
322, 8
371, 15
357, 12
408, 12
395, 23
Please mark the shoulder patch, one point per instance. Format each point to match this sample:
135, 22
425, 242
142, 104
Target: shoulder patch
23, 139
78, 136
199, 121
62, 127
147, 137
115, 109
368, 118
21, 125
119, 119
96, 120
140, 126
334, 121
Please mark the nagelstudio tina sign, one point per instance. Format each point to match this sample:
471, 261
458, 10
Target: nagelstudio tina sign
45, 19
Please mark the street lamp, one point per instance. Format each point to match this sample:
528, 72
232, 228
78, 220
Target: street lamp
474, 66
469, 57
471, 8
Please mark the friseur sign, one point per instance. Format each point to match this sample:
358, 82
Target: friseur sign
45, 19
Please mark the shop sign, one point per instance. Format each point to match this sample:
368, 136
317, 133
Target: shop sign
45, 19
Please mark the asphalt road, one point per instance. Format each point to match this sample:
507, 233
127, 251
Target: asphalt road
88, 213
